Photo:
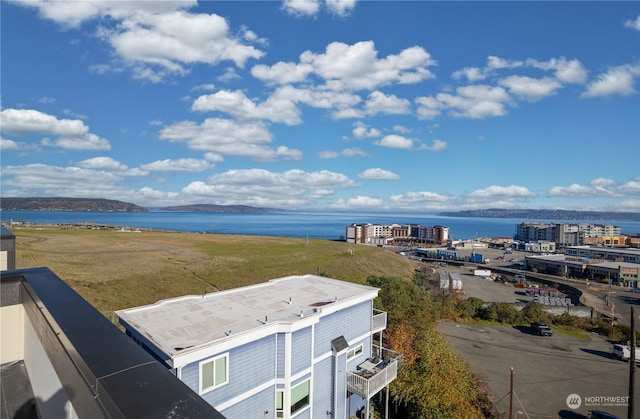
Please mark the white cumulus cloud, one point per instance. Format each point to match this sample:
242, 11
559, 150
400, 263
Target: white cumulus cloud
178, 165
378, 174
71, 133
616, 81
395, 141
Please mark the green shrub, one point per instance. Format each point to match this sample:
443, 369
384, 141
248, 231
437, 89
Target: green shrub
508, 313
468, 308
533, 313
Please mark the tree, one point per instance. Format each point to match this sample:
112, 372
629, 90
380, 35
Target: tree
433, 381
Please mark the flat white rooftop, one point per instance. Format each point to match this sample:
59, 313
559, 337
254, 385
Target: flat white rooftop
192, 321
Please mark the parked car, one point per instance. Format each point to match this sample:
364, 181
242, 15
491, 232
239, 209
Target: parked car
541, 329
635, 290
623, 352
599, 414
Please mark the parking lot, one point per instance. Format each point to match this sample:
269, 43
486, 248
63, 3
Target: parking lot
547, 370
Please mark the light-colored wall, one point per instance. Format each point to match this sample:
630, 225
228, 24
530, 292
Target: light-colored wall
250, 366
4, 265
51, 398
300, 350
351, 323
12, 326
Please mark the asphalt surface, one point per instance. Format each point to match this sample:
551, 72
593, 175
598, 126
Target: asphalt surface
547, 370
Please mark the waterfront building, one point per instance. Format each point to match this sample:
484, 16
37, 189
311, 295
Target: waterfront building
396, 234
569, 234
300, 346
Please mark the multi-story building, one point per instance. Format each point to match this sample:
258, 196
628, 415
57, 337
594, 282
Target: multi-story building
378, 234
534, 232
299, 346
566, 234
436, 234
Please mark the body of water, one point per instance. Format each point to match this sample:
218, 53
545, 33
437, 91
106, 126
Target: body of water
286, 224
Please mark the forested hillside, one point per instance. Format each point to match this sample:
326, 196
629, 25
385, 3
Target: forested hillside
68, 204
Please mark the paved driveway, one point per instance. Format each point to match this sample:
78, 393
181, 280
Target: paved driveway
547, 370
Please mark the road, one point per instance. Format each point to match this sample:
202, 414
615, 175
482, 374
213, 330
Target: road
594, 294
547, 370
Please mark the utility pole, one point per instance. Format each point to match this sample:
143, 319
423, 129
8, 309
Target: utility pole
511, 396
632, 365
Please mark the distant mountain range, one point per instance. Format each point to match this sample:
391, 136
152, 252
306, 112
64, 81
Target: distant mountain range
108, 205
68, 204
214, 208
546, 214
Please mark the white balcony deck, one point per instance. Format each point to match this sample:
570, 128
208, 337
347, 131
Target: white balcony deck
379, 321
374, 374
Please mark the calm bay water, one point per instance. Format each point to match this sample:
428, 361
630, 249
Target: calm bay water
313, 225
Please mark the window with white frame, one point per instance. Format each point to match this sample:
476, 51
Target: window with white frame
279, 403
214, 372
352, 353
300, 396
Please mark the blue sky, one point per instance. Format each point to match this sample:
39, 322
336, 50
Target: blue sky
332, 105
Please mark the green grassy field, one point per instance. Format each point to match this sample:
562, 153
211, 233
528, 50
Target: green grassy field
114, 270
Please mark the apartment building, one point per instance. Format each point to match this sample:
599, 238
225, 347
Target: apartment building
396, 234
566, 234
436, 234
300, 346
534, 232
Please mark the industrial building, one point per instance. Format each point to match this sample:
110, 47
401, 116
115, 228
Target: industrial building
620, 266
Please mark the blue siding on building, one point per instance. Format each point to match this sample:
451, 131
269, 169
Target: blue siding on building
323, 373
366, 353
355, 404
249, 366
300, 350
280, 356
254, 407
307, 412
350, 323
341, 386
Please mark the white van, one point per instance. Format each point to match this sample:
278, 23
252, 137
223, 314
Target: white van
623, 353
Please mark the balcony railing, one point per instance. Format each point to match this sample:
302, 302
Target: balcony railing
375, 373
379, 321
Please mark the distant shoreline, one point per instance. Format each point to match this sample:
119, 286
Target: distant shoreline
546, 214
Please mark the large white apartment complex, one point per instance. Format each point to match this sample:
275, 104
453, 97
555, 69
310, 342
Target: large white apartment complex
381, 235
